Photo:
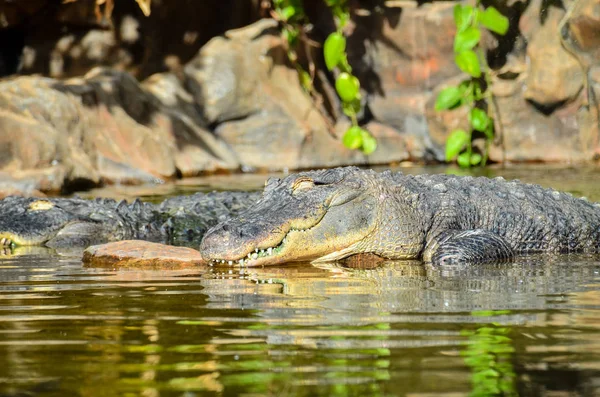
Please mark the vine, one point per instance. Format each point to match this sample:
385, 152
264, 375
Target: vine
470, 58
291, 14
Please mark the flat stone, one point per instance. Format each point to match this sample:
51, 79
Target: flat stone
141, 254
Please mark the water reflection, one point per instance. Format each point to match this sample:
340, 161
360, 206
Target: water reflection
529, 327
489, 353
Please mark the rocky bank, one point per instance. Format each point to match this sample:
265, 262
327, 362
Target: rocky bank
88, 101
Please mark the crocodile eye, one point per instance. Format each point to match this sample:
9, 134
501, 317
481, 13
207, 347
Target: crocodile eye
303, 184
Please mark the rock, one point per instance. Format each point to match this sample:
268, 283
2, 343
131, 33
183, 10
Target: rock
103, 128
244, 84
141, 254
393, 146
198, 150
581, 32
125, 126
554, 76
529, 135
226, 76
10, 186
43, 129
69, 39
400, 56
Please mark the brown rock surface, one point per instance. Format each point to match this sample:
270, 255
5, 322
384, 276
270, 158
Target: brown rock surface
65, 39
239, 103
533, 136
141, 254
400, 56
103, 127
554, 76
580, 34
246, 86
581, 31
43, 129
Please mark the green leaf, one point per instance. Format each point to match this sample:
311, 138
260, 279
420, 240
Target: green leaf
347, 87
350, 109
344, 65
455, 143
448, 98
334, 49
489, 131
369, 143
288, 12
290, 34
463, 160
479, 119
466, 39
475, 158
353, 138
468, 62
492, 19
305, 80
342, 14
462, 16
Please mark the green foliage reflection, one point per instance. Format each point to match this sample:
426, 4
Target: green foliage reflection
489, 354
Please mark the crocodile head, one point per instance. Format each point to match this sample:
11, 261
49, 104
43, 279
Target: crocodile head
310, 216
47, 222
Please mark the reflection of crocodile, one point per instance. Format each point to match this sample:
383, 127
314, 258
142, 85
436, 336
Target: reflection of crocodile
79, 223
332, 214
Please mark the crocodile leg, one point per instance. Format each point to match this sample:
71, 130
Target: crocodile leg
467, 246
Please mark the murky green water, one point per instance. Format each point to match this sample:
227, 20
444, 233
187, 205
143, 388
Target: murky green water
528, 328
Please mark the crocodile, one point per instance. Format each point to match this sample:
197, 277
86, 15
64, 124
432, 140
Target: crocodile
77, 223
332, 214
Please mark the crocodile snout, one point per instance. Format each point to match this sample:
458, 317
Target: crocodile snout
223, 241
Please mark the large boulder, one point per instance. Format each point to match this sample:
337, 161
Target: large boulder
43, 129
400, 56
101, 128
554, 76
244, 85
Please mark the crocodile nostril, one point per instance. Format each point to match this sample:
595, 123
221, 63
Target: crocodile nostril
225, 227
249, 230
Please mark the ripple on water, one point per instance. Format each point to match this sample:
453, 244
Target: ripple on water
531, 327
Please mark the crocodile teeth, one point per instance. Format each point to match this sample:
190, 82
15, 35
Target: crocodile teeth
3, 241
230, 263
254, 255
269, 251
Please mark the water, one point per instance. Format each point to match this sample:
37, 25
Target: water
531, 327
